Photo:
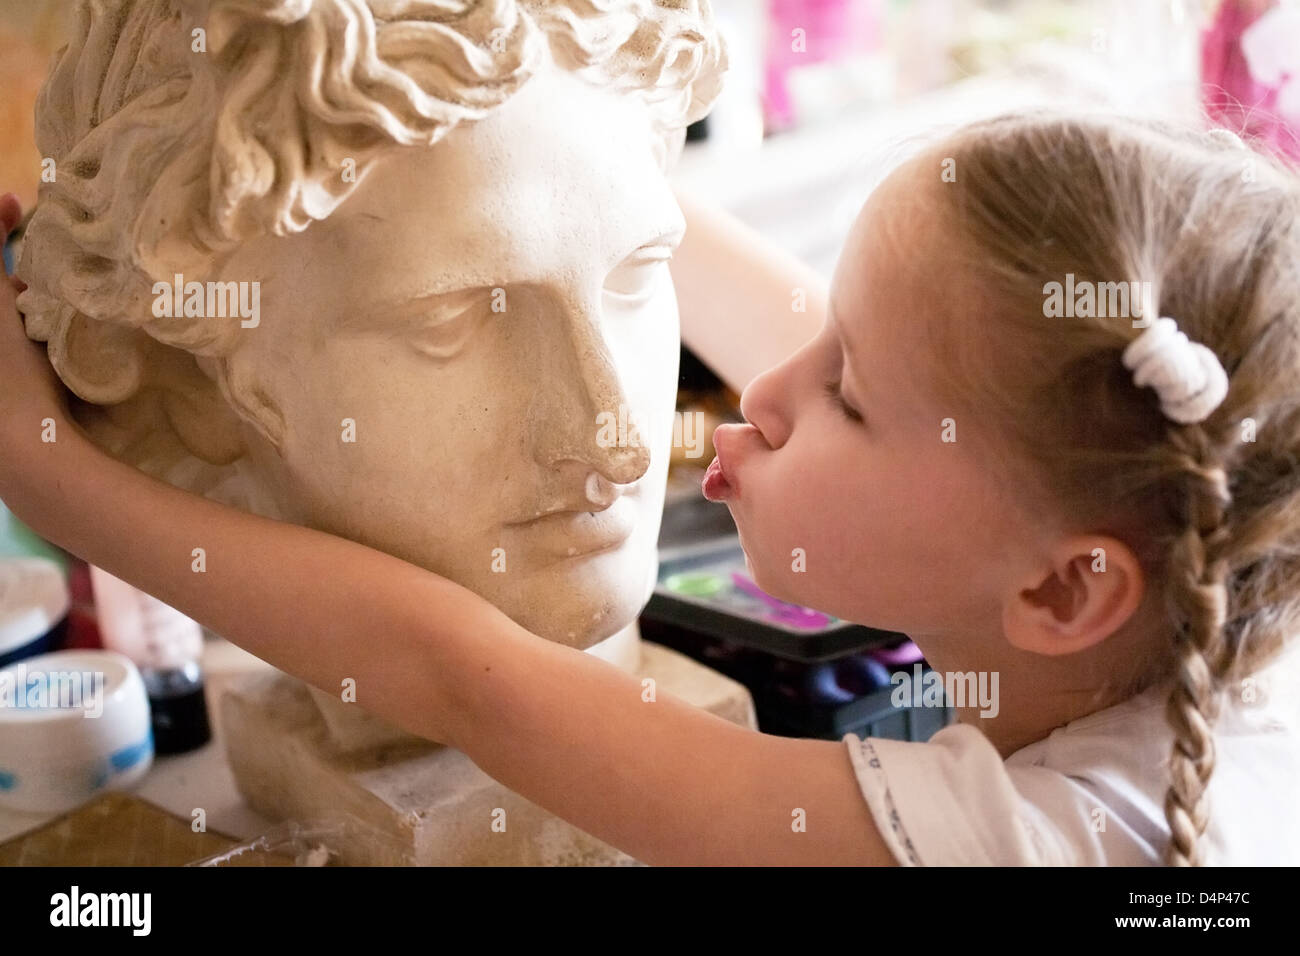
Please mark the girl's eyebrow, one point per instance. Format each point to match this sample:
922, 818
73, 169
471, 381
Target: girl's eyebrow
839, 332
833, 321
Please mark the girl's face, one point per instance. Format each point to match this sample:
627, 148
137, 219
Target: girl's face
854, 491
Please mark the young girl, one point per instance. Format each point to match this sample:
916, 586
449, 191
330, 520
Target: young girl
991, 445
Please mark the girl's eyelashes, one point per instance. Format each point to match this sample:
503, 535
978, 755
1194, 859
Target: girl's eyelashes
832, 389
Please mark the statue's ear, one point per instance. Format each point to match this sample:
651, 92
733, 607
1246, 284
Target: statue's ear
244, 395
208, 409
203, 420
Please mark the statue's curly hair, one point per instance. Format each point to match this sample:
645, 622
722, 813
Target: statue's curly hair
181, 128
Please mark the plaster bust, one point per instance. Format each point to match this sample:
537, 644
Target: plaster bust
453, 221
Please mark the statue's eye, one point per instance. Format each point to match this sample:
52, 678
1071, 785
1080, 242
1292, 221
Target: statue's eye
443, 332
636, 281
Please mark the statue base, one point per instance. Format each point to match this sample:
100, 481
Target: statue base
412, 802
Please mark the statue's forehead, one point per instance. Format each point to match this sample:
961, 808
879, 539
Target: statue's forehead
564, 181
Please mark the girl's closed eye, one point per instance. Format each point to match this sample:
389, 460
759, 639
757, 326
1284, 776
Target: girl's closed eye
832, 389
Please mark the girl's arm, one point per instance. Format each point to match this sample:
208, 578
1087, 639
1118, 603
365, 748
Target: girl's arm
737, 294
663, 781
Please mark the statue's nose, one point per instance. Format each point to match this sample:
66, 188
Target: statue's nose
593, 420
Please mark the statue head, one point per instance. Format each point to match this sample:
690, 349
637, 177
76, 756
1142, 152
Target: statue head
387, 268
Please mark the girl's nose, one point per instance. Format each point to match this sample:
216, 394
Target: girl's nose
766, 403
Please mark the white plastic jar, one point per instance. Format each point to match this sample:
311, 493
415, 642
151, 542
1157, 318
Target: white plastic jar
72, 723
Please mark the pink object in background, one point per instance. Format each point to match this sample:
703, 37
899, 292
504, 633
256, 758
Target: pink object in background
140, 626
83, 624
832, 30
1250, 72
899, 655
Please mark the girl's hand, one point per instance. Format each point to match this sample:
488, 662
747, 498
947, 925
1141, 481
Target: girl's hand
30, 391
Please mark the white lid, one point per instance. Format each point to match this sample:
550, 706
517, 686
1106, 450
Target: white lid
33, 598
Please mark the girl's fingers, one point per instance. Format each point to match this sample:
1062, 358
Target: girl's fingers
11, 213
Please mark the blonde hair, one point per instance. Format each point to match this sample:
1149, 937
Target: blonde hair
1211, 510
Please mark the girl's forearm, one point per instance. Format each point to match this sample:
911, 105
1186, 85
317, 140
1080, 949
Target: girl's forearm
318, 606
738, 294
621, 759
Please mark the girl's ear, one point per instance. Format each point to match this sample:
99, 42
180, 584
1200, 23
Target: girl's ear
1087, 590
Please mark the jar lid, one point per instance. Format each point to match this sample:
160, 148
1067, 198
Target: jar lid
34, 598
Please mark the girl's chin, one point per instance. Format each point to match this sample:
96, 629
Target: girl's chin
768, 582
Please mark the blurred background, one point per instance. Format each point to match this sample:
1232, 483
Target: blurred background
827, 95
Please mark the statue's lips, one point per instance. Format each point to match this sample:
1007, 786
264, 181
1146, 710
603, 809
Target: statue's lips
574, 533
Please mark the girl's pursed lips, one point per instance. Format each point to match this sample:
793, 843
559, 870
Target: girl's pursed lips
729, 441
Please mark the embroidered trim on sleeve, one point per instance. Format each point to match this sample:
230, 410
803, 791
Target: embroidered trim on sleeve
875, 790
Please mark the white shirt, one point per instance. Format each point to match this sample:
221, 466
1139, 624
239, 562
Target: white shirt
1093, 792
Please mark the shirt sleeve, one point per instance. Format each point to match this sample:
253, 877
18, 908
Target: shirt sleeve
951, 801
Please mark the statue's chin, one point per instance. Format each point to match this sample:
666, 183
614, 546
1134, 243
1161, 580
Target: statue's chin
581, 603
581, 621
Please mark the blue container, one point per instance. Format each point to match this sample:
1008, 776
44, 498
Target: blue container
34, 603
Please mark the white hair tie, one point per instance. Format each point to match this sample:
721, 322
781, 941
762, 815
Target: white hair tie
1227, 137
1186, 375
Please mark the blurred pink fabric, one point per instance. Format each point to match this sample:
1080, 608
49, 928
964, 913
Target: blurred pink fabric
1250, 72
833, 30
